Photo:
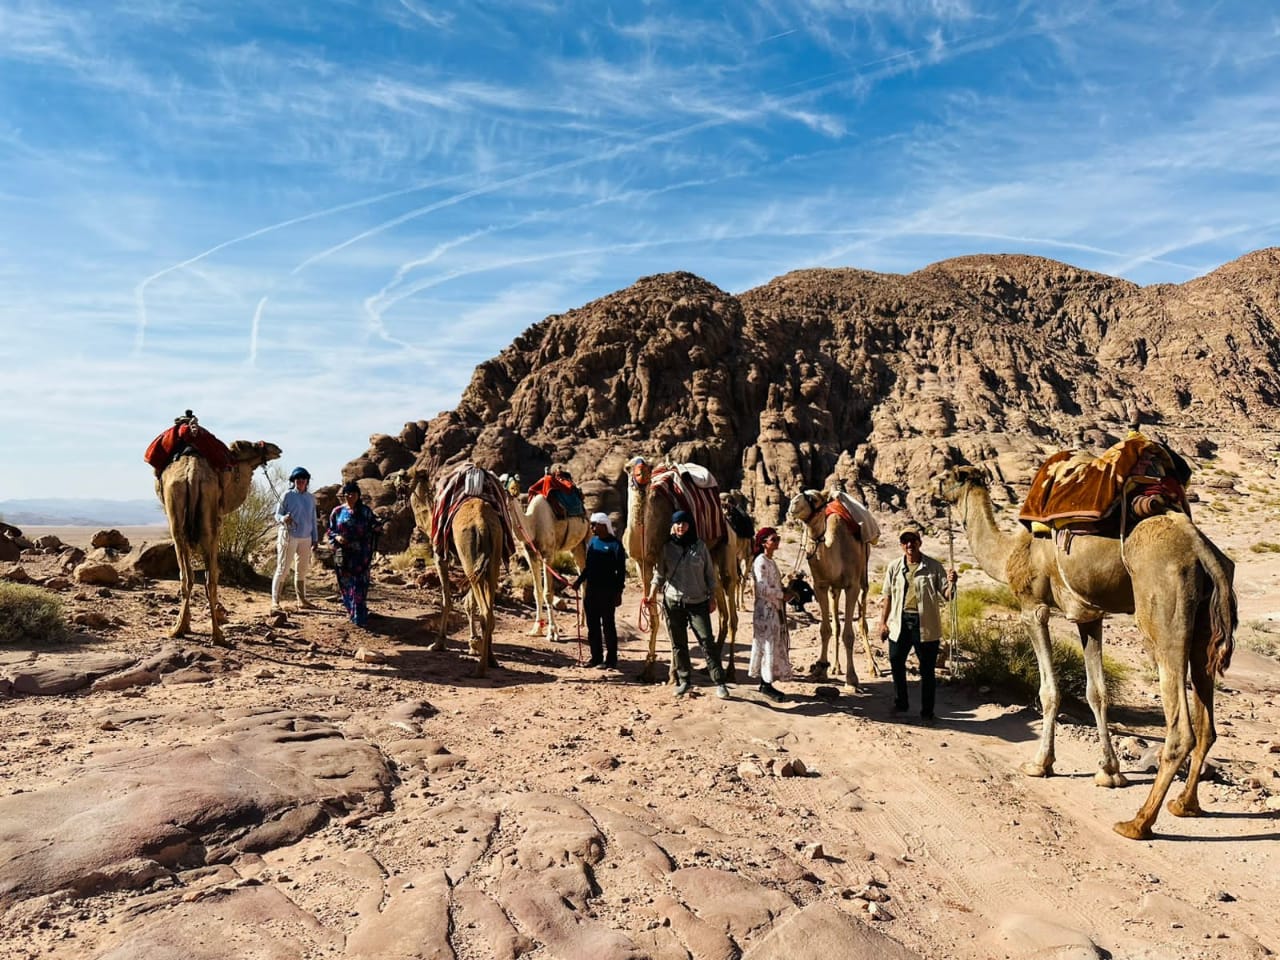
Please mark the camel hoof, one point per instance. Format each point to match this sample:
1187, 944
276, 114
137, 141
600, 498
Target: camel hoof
1033, 769
437, 646
646, 673
537, 628
1111, 780
1133, 830
731, 675
493, 662
1180, 808
218, 640
819, 670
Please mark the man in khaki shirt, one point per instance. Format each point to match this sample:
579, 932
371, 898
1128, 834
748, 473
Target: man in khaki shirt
910, 616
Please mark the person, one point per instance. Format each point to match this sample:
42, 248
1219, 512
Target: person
605, 574
353, 527
770, 643
299, 533
685, 581
910, 617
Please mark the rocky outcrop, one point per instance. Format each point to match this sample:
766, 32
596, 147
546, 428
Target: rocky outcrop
872, 381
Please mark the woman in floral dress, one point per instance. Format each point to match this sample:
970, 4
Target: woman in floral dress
352, 529
770, 644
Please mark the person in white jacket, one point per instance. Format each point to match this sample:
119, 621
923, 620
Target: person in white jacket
298, 536
910, 616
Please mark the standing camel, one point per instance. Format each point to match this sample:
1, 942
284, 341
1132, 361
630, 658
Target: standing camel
196, 497
838, 563
545, 536
475, 535
1165, 572
648, 527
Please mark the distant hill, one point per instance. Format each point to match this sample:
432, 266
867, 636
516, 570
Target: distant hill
82, 513
875, 381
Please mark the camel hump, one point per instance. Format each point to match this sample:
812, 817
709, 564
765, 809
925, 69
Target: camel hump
868, 528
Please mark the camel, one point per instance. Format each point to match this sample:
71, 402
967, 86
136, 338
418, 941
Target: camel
477, 538
1169, 575
476, 535
838, 563
545, 536
648, 527
196, 497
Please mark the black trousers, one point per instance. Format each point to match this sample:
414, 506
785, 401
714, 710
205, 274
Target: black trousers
602, 630
680, 617
926, 654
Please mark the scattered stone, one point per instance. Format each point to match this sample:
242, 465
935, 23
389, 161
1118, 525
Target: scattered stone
137, 677
825, 692
110, 540
92, 619
15, 574
365, 655
188, 675
749, 769
814, 851
159, 561
1222, 896
49, 543
879, 911
102, 574
824, 930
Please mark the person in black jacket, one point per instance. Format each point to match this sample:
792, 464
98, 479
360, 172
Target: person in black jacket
604, 573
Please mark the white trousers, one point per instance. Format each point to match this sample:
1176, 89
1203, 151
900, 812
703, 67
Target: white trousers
291, 553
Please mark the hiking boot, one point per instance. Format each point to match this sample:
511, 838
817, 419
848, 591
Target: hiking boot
593, 662
682, 688
772, 692
722, 691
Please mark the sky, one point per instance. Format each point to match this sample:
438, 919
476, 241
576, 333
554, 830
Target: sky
309, 220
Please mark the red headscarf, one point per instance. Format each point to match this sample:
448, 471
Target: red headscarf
762, 537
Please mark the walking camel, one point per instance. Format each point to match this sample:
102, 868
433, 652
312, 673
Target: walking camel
1169, 575
545, 536
647, 530
475, 535
838, 563
196, 497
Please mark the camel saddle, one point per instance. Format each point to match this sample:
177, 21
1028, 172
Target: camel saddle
462, 483
1074, 489
563, 495
855, 515
186, 436
691, 488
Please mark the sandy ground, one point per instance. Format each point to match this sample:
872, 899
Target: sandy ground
978, 860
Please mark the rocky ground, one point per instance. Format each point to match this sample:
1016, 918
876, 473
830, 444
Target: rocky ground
318, 790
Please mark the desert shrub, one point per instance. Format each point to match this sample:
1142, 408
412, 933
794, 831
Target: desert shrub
1000, 656
30, 615
1259, 636
562, 562
972, 601
246, 547
1265, 546
408, 560
874, 588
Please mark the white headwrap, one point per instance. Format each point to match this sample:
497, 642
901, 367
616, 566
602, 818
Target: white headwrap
604, 519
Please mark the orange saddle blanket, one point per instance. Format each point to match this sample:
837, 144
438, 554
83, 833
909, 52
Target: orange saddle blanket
1073, 487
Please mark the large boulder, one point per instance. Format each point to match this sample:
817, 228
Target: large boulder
97, 574
159, 561
110, 540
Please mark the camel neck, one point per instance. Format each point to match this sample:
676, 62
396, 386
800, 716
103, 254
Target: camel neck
991, 546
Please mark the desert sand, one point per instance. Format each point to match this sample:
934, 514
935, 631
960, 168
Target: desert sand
552, 810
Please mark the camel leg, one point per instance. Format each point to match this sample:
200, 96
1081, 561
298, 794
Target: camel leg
187, 574
211, 588
822, 595
549, 597
872, 667
446, 603
726, 629
1187, 803
1178, 741
1108, 774
1037, 619
846, 639
537, 567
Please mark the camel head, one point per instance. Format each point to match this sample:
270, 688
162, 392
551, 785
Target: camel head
954, 482
246, 451
805, 504
639, 470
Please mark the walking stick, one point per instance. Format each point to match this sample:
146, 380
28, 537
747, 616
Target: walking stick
955, 590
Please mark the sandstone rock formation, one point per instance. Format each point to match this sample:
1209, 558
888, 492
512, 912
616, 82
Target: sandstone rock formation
874, 381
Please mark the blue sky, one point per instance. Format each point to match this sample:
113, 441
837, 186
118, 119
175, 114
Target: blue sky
309, 221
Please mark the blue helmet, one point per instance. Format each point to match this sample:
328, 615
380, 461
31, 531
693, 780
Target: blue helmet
299, 473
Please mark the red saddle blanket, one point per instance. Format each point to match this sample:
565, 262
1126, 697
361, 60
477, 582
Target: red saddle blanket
1073, 487
702, 501
460, 485
162, 450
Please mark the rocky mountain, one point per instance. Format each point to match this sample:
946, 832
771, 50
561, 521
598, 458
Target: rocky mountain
876, 381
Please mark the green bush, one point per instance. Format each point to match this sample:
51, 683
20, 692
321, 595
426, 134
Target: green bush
247, 542
408, 560
972, 601
30, 615
1000, 656
1265, 546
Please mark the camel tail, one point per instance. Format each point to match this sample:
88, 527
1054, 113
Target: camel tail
1223, 616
